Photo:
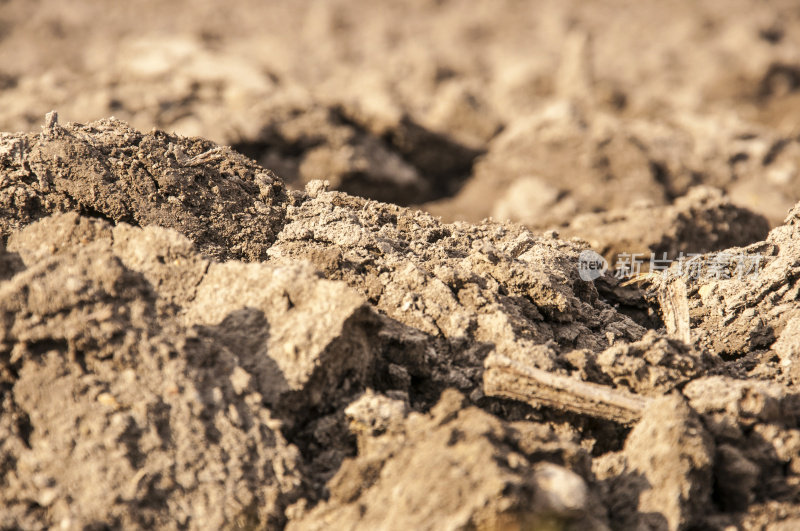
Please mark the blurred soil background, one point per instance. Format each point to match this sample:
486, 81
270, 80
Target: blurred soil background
533, 111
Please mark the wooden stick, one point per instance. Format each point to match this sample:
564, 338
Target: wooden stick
507, 378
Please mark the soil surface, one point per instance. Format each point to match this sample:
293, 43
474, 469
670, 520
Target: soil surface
421, 265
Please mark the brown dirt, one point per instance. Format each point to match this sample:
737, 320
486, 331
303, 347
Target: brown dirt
299, 318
